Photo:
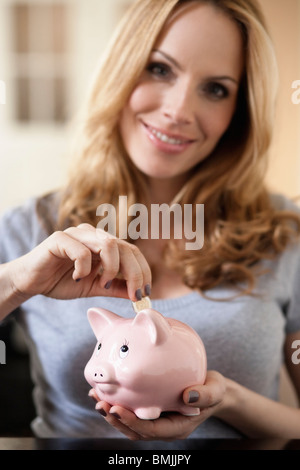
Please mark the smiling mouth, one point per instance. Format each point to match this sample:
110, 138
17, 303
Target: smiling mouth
166, 138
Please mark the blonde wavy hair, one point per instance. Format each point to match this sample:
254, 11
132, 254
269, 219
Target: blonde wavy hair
241, 225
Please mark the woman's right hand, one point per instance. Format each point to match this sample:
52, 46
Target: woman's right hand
81, 262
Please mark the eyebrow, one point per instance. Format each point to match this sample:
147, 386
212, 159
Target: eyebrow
174, 62
168, 57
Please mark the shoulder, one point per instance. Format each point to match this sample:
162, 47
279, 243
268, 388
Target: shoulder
46, 210
283, 203
25, 226
287, 217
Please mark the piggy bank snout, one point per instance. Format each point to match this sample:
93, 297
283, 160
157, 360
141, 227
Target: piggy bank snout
103, 373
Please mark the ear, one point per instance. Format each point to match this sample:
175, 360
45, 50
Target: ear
100, 318
157, 327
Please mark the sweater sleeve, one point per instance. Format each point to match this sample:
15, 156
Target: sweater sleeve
17, 228
291, 271
20, 231
293, 308
24, 227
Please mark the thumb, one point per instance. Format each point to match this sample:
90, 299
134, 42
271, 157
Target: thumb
206, 395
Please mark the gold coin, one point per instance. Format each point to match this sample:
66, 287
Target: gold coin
141, 304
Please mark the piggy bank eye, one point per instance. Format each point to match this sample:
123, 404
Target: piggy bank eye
124, 350
98, 349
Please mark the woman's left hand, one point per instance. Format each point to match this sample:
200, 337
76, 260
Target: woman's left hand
169, 426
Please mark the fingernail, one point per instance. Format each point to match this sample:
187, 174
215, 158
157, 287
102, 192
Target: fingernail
78, 280
147, 289
108, 285
92, 395
116, 415
138, 294
193, 396
99, 408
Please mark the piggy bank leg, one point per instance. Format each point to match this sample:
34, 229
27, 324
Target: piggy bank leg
189, 411
148, 413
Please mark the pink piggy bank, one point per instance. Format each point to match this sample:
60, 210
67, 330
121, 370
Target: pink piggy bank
144, 363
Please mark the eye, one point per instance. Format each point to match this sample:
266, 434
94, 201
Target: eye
124, 350
159, 69
216, 91
98, 349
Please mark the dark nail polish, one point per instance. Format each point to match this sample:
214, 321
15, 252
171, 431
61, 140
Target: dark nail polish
193, 396
147, 289
93, 398
116, 415
138, 294
108, 285
102, 412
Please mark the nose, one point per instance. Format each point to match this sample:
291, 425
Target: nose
98, 374
179, 104
103, 373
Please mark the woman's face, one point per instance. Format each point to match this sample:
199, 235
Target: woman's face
186, 97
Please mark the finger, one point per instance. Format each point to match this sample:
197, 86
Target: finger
126, 420
86, 236
85, 226
146, 271
169, 427
131, 270
92, 393
207, 395
114, 420
117, 256
109, 259
110, 262
62, 246
117, 288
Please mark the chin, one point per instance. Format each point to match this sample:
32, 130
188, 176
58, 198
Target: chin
159, 170
158, 174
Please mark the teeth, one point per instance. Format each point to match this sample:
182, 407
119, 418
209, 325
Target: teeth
165, 138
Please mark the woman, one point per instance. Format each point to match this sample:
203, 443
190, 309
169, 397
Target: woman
180, 111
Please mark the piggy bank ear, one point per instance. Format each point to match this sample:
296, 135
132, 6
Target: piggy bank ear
154, 324
100, 318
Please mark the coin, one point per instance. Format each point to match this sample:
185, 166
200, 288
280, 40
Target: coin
141, 304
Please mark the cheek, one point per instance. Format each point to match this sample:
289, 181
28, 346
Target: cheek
143, 98
139, 101
218, 121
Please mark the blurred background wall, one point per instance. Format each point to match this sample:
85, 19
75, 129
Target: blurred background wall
284, 23
48, 52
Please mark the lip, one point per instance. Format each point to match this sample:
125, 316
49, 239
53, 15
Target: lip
106, 382
106, 387
166, 141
